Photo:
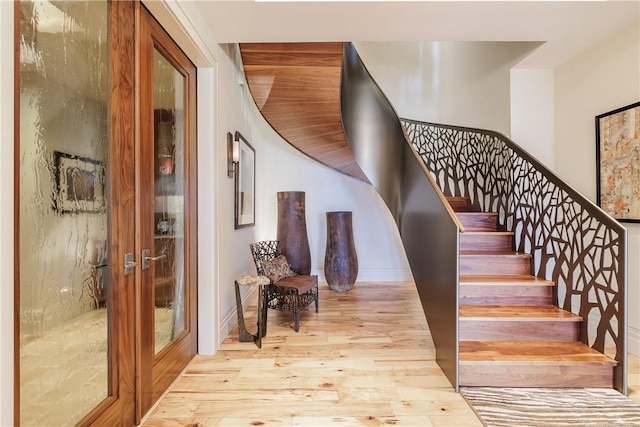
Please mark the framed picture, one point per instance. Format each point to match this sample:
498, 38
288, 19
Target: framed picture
618, 162
79, 184
245, 184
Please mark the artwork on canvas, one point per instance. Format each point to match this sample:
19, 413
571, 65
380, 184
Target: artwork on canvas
245, 184
618, 162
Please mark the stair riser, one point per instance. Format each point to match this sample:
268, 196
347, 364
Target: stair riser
508, 294
458, 204
479, 221
523, 330
531, 374
489, 242
493, 265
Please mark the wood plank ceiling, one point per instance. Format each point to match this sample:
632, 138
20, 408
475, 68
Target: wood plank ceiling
296, 87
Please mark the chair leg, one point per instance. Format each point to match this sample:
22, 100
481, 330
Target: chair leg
263, 312
316, 299
296, 311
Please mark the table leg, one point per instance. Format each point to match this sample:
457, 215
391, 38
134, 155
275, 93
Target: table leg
243, 334
261, 320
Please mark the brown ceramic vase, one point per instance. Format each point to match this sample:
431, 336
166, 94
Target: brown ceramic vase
340, 258
292, 230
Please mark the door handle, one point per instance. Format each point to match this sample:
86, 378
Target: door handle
129, 264
147, 258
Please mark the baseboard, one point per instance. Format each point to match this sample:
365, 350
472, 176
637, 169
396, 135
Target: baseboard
633, 334
634, 341
375, 275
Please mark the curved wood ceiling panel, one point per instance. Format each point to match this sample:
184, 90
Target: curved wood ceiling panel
296, 87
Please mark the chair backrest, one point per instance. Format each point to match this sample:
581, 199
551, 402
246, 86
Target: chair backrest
264, 251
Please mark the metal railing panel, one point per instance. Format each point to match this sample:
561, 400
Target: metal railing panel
573, 242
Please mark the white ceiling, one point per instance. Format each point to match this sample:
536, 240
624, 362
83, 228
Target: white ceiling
567, 27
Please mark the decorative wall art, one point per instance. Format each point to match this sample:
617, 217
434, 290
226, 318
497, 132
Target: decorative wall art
618, 162
79, 184
245, 184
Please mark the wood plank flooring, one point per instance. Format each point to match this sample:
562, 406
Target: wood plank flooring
365, 359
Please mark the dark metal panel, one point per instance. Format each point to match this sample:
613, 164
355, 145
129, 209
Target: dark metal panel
372, 128
431, 241
428, 230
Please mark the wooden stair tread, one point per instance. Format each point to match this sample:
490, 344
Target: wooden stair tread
489, 233
471, 216
477, 213
518, 312
533, 352
502, 280
479, 252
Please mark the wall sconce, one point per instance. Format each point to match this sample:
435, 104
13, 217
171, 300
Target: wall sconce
233, 155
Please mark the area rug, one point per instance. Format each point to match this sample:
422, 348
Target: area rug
535, 407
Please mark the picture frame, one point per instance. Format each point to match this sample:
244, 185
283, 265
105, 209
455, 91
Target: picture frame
79, 184
618, 162
245, 184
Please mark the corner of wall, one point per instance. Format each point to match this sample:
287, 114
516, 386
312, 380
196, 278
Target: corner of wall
207, 204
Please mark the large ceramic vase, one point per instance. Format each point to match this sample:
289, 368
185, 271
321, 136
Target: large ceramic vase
340, 258
292, 230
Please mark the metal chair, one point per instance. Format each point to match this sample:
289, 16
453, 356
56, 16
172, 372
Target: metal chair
292, 293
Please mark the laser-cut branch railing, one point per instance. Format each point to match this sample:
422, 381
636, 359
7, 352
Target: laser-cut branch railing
572, 241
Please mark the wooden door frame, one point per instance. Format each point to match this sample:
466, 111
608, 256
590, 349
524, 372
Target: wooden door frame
168, 364
16, 214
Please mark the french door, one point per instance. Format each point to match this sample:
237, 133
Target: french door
166, 192
105, 212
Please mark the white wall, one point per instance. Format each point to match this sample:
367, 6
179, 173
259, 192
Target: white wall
601, 79
455, 83
532, 113
6, 214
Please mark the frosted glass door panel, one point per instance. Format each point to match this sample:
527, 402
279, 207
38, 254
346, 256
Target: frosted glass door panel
169, 114
64, 259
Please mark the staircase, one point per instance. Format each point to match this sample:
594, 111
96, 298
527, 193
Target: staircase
510, 333
502, 326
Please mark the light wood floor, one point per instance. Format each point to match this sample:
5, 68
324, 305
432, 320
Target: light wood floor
366, 359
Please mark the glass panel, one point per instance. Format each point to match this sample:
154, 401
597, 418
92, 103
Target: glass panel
168, 95
64, 298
